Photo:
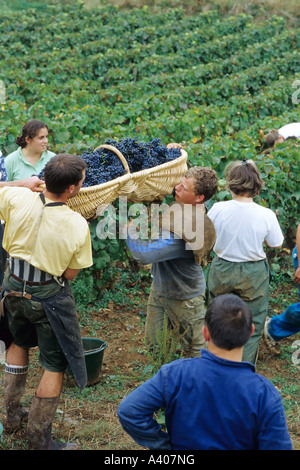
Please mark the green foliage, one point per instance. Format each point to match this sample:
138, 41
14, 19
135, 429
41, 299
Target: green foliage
88, 286
123, 286
166, 348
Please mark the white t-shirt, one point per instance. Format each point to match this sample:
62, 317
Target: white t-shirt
290, 130
242, 228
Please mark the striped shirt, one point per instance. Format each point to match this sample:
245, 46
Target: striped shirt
26, 271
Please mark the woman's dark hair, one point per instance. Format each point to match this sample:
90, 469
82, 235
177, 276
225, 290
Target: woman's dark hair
229, 321
30, 129
62, 171
243, 178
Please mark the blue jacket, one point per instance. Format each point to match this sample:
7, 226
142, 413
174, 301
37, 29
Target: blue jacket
210, 404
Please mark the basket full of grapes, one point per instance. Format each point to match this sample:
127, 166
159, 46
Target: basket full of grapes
141, 171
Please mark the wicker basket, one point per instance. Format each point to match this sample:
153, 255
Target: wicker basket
87, 201
146, 185
153, 184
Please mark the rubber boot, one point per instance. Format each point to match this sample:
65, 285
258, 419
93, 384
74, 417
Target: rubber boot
14, 387
41, 416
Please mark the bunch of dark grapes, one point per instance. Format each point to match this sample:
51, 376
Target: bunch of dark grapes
104, 165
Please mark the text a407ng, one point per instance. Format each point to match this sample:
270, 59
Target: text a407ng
169, 459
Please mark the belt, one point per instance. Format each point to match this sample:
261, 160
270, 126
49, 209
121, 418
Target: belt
30, 283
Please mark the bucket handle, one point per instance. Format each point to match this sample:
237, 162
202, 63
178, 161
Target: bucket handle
103, 346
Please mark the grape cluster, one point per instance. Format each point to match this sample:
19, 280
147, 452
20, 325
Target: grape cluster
104, 165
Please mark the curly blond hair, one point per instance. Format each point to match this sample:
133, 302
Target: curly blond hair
205, 181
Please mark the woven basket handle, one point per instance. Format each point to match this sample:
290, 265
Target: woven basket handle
116, 151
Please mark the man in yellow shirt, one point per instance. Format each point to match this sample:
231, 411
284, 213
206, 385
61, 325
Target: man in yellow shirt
48, 244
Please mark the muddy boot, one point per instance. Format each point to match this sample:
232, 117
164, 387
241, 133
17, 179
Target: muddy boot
41, 415
14, 387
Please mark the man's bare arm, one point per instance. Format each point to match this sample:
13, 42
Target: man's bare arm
70, 274
34, 183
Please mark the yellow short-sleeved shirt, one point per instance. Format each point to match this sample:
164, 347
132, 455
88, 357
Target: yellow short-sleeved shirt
50, 238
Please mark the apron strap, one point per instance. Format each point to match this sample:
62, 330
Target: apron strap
50, 204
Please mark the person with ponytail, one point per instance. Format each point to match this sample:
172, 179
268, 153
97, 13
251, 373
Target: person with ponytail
32, 155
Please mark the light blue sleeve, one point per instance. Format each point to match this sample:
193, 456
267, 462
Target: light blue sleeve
155, 251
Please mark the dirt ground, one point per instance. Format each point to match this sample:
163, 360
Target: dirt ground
90, 418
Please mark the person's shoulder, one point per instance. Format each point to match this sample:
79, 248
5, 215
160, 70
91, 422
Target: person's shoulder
18, 192
181, 365
220, 204
217, 206
264, 210
266, 386
11, 156
75, 216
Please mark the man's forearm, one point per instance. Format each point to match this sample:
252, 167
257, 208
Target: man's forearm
136, 411
33, 183
158, 440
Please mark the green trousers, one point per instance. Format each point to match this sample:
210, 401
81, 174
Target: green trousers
188, 314
250, 281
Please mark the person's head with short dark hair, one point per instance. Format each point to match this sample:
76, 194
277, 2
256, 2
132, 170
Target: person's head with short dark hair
62, 171
29, 131
243, 178
229, 321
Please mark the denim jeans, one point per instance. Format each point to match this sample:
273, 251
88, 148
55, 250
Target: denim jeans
285, 324
288, 322
296, 264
